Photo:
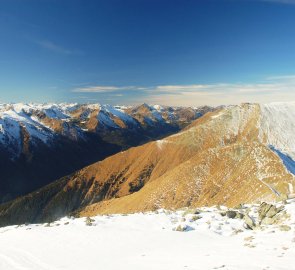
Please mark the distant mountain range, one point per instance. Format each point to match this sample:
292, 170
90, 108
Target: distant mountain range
233, 155
40, 143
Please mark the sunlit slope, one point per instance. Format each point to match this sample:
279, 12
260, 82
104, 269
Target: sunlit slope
230, 166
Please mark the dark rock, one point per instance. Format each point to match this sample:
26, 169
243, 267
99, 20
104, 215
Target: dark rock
240, 215
231, 214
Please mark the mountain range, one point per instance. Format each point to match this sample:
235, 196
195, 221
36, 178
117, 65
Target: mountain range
40, 143
234, 154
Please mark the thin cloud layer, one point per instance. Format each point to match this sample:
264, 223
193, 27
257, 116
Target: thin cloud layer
278, 88
51, 46
104, 89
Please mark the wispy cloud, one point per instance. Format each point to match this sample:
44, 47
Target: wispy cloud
281, 78
52, 46
275, 88
105, 89
177, 88
219, 88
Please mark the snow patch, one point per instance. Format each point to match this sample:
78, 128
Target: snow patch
277, 126
119, 113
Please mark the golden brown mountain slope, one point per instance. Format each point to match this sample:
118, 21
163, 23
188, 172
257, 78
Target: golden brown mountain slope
225, 163
219, 159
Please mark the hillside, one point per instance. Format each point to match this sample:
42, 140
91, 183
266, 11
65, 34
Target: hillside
229, 156
40, 143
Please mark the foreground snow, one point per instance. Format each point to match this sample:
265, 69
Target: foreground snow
150, 241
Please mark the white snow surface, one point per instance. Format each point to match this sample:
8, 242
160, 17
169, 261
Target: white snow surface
277, 126
149, 241
119, 113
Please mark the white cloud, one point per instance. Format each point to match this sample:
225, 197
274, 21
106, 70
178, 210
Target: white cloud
105, 89
281, 78
224, 93
176, 88
218, 87
276, 88
96, 89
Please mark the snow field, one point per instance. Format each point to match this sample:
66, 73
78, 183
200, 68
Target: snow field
150, 241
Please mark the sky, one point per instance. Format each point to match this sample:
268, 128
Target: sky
170, 52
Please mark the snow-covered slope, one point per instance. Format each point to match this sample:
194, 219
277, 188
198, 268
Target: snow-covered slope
277, 126
13, 118
208, 239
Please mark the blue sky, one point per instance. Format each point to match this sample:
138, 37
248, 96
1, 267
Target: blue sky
184, 52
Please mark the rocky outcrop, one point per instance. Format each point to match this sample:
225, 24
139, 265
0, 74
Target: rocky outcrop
258, 217
245, 219
268, 213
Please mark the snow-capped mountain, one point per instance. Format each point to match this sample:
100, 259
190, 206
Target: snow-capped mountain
42, 142
42, 122
237, 154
